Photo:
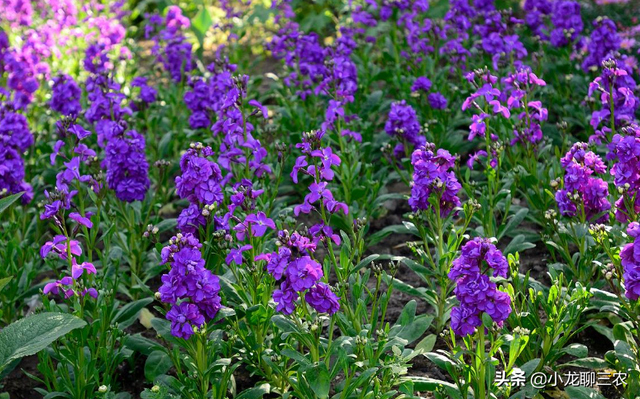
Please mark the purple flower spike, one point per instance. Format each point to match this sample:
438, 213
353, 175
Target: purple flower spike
85, 221
474, 289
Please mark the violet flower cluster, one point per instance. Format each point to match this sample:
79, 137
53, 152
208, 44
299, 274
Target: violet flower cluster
191, 289
71, 176
126, 165
59, 201
583, 194
298, 273
205, 97
624, 151
238, 145
15, 139
604, 40
630, 260
433, 179
317, 162
474, 290
201, 183
497, 35
517, 93
615, 89
484, 90
148, 94
127, 169
171, 46
402, 122
65, 95
69, 286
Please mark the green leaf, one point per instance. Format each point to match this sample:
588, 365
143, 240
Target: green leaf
202, 21
32, 334
158, 363
514, 222
255, 392
129, 312
577, 350
427, 344
141, 344
427, 384
4, 282
576, 392
7, 201
318, 380
518, 244
592, 363
625, 354
284, 324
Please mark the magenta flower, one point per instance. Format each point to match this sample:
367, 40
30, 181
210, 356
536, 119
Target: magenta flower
328, 160
78, 269
235, 255
301, 162
259, 223
59, 246
60, 286
85, 221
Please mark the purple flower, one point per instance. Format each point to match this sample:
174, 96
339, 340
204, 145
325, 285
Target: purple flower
437, 101
432, 178
60, 287
285, 298
80, 132
65, 96
322, 299
189, 286
259, 223
147, 93
235, 255
184, 317
59, 246
474, 290
403, 123
604, 40
85, 221
78, 269
464, 320
581, 187
303, 273
421, 84
630, 260
567, 22
190, 219
328, 160
127, 167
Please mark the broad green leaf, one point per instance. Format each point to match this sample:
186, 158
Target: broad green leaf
4, 282
157, 363
202, 21
129, 312
7, 201
32, 334
255, 392
577, 350
318, 380
427, 344
592, 363
284, 324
